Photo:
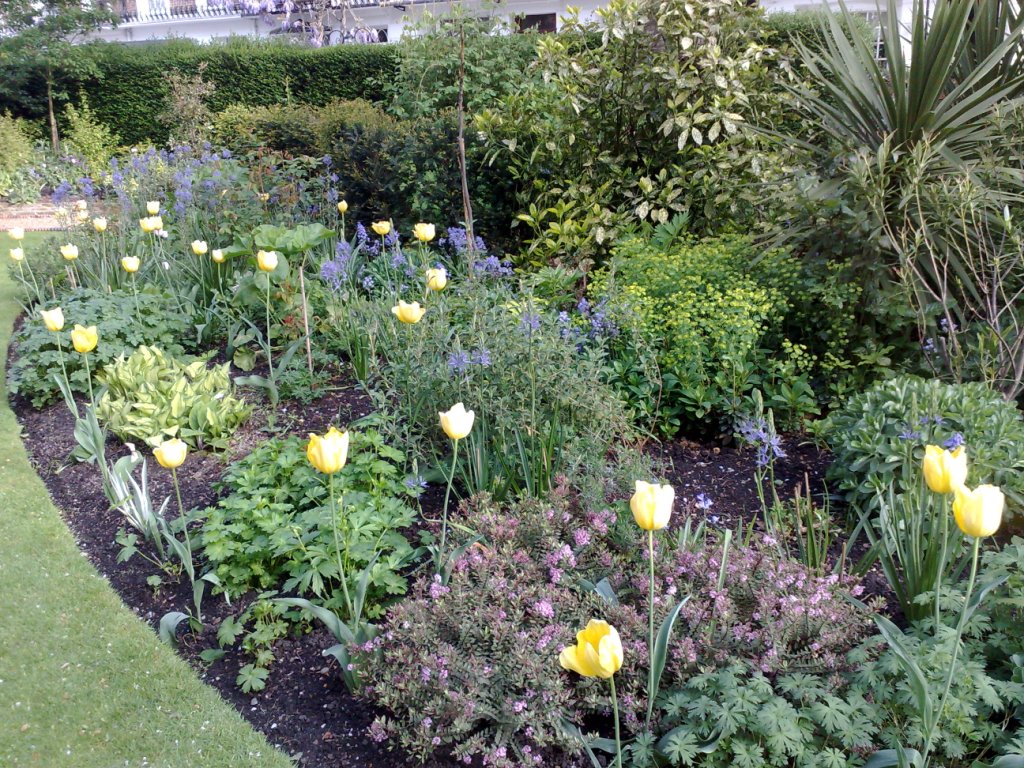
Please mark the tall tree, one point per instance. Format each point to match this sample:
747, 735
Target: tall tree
36, 36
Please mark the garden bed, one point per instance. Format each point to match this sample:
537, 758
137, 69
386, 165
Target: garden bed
305, 709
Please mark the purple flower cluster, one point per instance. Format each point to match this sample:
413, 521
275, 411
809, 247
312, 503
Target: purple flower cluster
762, 436
335, 271
459, 361
458, 240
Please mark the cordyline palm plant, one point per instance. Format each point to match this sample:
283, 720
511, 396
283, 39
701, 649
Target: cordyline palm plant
919, 144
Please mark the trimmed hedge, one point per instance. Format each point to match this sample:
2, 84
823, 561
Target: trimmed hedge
132, 90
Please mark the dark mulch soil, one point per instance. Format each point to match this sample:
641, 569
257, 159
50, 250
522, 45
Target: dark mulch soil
305, 709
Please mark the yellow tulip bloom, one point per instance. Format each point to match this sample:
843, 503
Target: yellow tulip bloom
16, 233
381, 227
217, 255
85, 339
199, 247
342, 206
53, 319
130, 263
82, 215
328, 453
153, 207
437, 279
69, 251
99, 224
18, 254
457, 422
652, 505
151, 224
171, 453
408, 313
597, 653
81, 205
978, 512
944, 471
424, 232
267, 260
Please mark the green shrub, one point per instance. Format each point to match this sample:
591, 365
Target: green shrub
15, 144
152, 397
131, 90
714, 312
881, 432
89, 139
272, 529
122, 324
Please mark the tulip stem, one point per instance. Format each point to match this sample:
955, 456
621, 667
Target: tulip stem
64, 368
615, 714
942, 559
444, 512
88, 378
184, 522
936, 715
270, 353
650, 615
337, 549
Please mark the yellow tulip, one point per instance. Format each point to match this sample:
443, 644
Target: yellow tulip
81, 205
217, 255
85, 339
267, 260
381, 227
151, 224
424, 232
944, 471
171, 453
342, 206
328, 453
263, 196
82, 215
53, 319
597, 653
130, 263
153, 207
16, 233
69, 251
99, 224
18, 254
199, 247
652, 505
978, 512
437, 279
408, 313
457, 422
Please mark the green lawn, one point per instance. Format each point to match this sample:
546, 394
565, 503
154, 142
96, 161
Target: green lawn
84, 682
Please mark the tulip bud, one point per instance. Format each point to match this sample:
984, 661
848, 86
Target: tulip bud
457, 422
597, 653
81, 205
328, 453
153, 207
437, 279
85, 339
267, 260
978, 512
81, 216
342, 206
69, 251
130, 264
199, 247
408, 313
18, 254
16, 233
424, 232
171, 453
99, 224
217, 255
652, 505
944, 471
53, 319
381, 227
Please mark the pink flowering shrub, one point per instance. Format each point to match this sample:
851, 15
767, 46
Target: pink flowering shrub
471, 667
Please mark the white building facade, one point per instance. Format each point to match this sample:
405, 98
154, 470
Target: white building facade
355, 20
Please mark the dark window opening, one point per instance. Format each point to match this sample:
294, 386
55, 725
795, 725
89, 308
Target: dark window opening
543, 22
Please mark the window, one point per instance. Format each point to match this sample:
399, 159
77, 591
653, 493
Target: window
542, 22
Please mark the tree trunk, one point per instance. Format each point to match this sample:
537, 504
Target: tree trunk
467, 205
54, 138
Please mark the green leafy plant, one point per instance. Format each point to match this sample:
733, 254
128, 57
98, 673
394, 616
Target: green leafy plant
151, 396
272, 528
880, 433
122, 325
88, 138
